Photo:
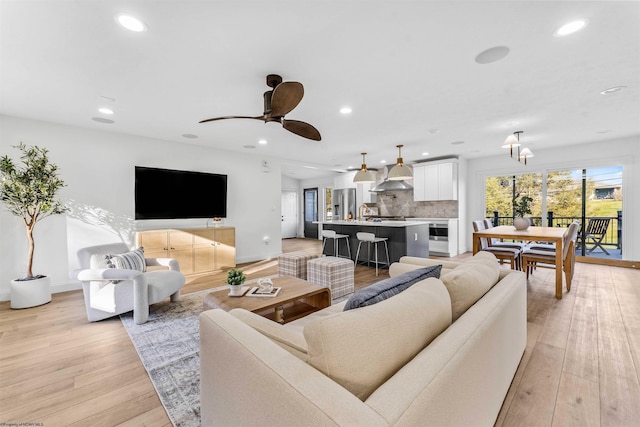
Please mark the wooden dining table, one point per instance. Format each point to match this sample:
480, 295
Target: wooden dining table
531, 234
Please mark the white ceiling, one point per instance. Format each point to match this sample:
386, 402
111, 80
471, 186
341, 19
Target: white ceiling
405, 67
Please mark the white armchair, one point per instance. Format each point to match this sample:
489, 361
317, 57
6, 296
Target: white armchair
112, 291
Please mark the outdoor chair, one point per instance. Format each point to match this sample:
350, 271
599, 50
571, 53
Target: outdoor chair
596, 230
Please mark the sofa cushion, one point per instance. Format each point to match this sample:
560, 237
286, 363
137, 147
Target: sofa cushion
469, 281
387, 288
291, 341
361, 349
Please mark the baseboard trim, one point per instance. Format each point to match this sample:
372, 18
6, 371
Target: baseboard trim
609, 262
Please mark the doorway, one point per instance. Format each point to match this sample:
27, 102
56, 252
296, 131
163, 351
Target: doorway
289, 209
310, 213
592, 196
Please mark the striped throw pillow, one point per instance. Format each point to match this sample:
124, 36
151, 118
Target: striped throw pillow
133, 260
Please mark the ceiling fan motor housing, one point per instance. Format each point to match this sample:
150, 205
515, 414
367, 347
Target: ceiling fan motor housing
273, 80
267, 108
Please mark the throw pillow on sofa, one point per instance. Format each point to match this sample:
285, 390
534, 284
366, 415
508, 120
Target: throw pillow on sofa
387, 288
469, 281
361, 349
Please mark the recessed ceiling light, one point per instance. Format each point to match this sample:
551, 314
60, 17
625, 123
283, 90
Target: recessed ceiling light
102, 120
189, 135
249, 147
457, 142
105, 110
131, 23
612, 90
510, 124
434, 131
345, 110
570, 28
262, 141
425, 154
383, 161
492, 55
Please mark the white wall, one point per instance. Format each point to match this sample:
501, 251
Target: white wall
616, 152
98, 169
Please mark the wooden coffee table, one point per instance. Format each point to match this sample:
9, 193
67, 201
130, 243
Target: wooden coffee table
296, 299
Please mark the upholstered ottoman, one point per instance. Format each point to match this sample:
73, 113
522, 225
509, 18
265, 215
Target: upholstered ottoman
294, 264
332, 272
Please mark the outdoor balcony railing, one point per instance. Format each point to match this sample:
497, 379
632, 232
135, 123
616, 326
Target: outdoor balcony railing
612, 239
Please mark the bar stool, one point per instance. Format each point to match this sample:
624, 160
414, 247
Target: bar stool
331, 234
370, 238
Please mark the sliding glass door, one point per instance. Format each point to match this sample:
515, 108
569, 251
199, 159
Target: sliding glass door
501, 190
592, 196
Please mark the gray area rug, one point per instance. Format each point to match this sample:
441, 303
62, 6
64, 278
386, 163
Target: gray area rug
169, 347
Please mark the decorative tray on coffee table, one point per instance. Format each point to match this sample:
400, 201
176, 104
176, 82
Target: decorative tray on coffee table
255, 292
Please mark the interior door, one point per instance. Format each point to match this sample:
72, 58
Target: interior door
289, 208
310, 213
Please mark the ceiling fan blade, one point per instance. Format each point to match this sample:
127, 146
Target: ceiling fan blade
303, 129
285, 98
231, 117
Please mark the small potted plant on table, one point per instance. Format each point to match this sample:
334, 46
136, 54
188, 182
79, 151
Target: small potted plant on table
521, 208
29, 192
235, 279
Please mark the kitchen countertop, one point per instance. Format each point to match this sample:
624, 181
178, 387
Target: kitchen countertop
375, 224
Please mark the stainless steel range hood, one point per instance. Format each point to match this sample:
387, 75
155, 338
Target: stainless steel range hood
387, 185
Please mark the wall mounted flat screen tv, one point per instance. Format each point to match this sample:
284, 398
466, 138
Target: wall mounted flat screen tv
176, 194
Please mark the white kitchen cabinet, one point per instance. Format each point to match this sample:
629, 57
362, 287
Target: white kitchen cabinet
344, 180
363, 195
435, 181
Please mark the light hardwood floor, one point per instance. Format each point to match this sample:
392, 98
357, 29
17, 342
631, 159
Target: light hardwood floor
581, 366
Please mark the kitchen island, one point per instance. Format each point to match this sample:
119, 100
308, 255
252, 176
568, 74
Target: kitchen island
404, 238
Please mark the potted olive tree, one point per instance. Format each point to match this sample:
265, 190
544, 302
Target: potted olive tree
521, 208
29, 191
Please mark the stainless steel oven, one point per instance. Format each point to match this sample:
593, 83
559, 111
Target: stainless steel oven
438, 232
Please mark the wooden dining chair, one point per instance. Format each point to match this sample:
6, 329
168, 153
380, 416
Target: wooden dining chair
502, 253
498, 243
532, 258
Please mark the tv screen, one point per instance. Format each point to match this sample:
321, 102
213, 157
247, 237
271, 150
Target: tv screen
173, 194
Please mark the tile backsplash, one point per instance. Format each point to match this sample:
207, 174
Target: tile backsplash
400, 203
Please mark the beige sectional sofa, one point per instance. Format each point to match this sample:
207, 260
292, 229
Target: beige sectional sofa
442, 353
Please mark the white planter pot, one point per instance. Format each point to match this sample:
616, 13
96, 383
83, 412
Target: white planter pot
30, 293
235, 290
521, 223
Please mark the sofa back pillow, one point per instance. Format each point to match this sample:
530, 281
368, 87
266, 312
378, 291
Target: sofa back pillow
468, 282
361, 349
387, 288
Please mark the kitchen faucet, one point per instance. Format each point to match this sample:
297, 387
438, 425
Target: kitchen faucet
364, 205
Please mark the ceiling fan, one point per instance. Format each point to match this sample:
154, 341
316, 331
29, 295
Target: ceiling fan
279, 101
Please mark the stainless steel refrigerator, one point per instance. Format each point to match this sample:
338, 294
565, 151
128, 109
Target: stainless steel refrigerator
344, 203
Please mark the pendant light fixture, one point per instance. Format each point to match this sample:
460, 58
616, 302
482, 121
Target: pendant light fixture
513, 141
400, 171
364, 176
